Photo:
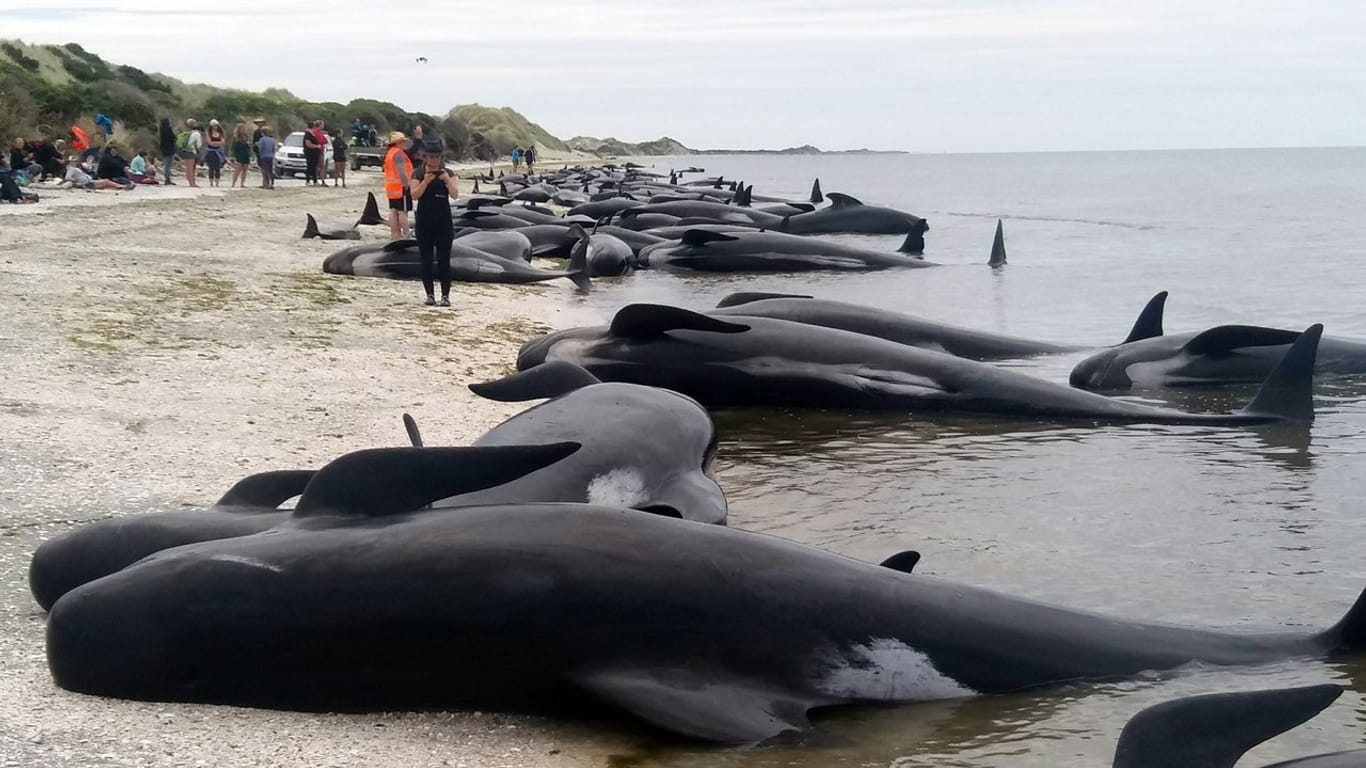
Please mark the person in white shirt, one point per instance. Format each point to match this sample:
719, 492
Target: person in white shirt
79, 179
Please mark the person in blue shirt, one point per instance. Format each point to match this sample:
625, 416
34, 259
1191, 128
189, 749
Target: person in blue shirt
516, 157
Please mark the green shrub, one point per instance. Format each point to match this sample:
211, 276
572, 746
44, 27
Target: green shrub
19, 58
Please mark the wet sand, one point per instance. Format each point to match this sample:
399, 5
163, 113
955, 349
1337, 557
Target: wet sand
162, 343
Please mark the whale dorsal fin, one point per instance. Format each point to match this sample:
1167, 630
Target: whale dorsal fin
267, 489
1215, 730
390, 481
1221, 341
644, 320
998, 247
310, 227
816, 195
841, 200
1287, 394
370, 214
414, 434
715, 707
549, 379
704, 236
1149, 322
745, 297
902, 561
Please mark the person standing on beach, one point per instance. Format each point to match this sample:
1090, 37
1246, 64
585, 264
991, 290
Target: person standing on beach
338, 160
260, 123
312, 154
241, 155
215, 152
415, 147
188, 145
325, 144
168, 149
517, 158
433, 187
530, 157
398, 171
265, 155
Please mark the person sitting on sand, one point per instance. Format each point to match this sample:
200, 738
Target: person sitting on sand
79, 179
11, 191
113, 167
141, 170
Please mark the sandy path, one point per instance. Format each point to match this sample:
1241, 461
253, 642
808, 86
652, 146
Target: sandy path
156, 346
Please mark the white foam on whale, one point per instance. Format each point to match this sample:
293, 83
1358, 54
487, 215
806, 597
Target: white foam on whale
622, 487
887, 670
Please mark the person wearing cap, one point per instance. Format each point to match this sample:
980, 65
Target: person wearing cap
398, 171
433, 187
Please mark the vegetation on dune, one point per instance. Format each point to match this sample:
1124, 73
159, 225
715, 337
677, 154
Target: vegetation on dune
44, 89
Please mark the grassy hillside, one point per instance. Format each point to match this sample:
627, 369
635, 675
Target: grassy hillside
505, 128
613, 147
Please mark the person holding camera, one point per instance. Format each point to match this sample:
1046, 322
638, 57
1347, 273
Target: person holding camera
433, 188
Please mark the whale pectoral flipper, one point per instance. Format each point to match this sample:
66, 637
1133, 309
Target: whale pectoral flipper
1215, 730
720, 709
746, 297
1223, 340
267, 489
391, 481
399, 245
902, 561
549, 379
1149, 322
698, 237
644, 320
410, 426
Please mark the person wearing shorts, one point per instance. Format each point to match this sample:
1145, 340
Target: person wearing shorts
398, 172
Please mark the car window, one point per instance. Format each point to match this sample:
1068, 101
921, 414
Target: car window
294, 140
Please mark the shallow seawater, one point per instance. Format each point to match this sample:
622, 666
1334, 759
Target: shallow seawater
1247, 528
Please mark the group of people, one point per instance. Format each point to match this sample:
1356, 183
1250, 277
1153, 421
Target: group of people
364, 135
107, 168
527, 156
211, 147
415, 171
317, 146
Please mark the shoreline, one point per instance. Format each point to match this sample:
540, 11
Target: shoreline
161, 346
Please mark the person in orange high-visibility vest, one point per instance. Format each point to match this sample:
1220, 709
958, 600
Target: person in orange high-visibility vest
398, 170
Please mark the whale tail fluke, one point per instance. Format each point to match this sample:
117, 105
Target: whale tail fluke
310, 227
1215, 730
914, 244
1288, 393
998, 247
1149, 322
370, 215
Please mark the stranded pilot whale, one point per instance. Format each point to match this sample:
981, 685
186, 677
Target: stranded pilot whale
738, 250
758, 361
399, 259
1225, 354
641, 447
709, 632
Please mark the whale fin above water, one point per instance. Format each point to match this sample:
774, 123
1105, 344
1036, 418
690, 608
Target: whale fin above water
1224, 339
1215, 730
1149, 322
745, 297
726, 710
578, 261
699, 237
267, 489
644, 320
998, 247
549, 379
390, 481
816, 196
902, 561
1288, 393
841, 200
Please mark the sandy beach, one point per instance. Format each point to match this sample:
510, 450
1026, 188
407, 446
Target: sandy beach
160, 344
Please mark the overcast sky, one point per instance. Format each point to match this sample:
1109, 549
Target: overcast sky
920, 75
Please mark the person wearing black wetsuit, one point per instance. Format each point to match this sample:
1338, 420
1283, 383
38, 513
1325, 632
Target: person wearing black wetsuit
433, 188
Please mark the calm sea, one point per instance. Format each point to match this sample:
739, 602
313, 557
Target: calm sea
1242, 528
